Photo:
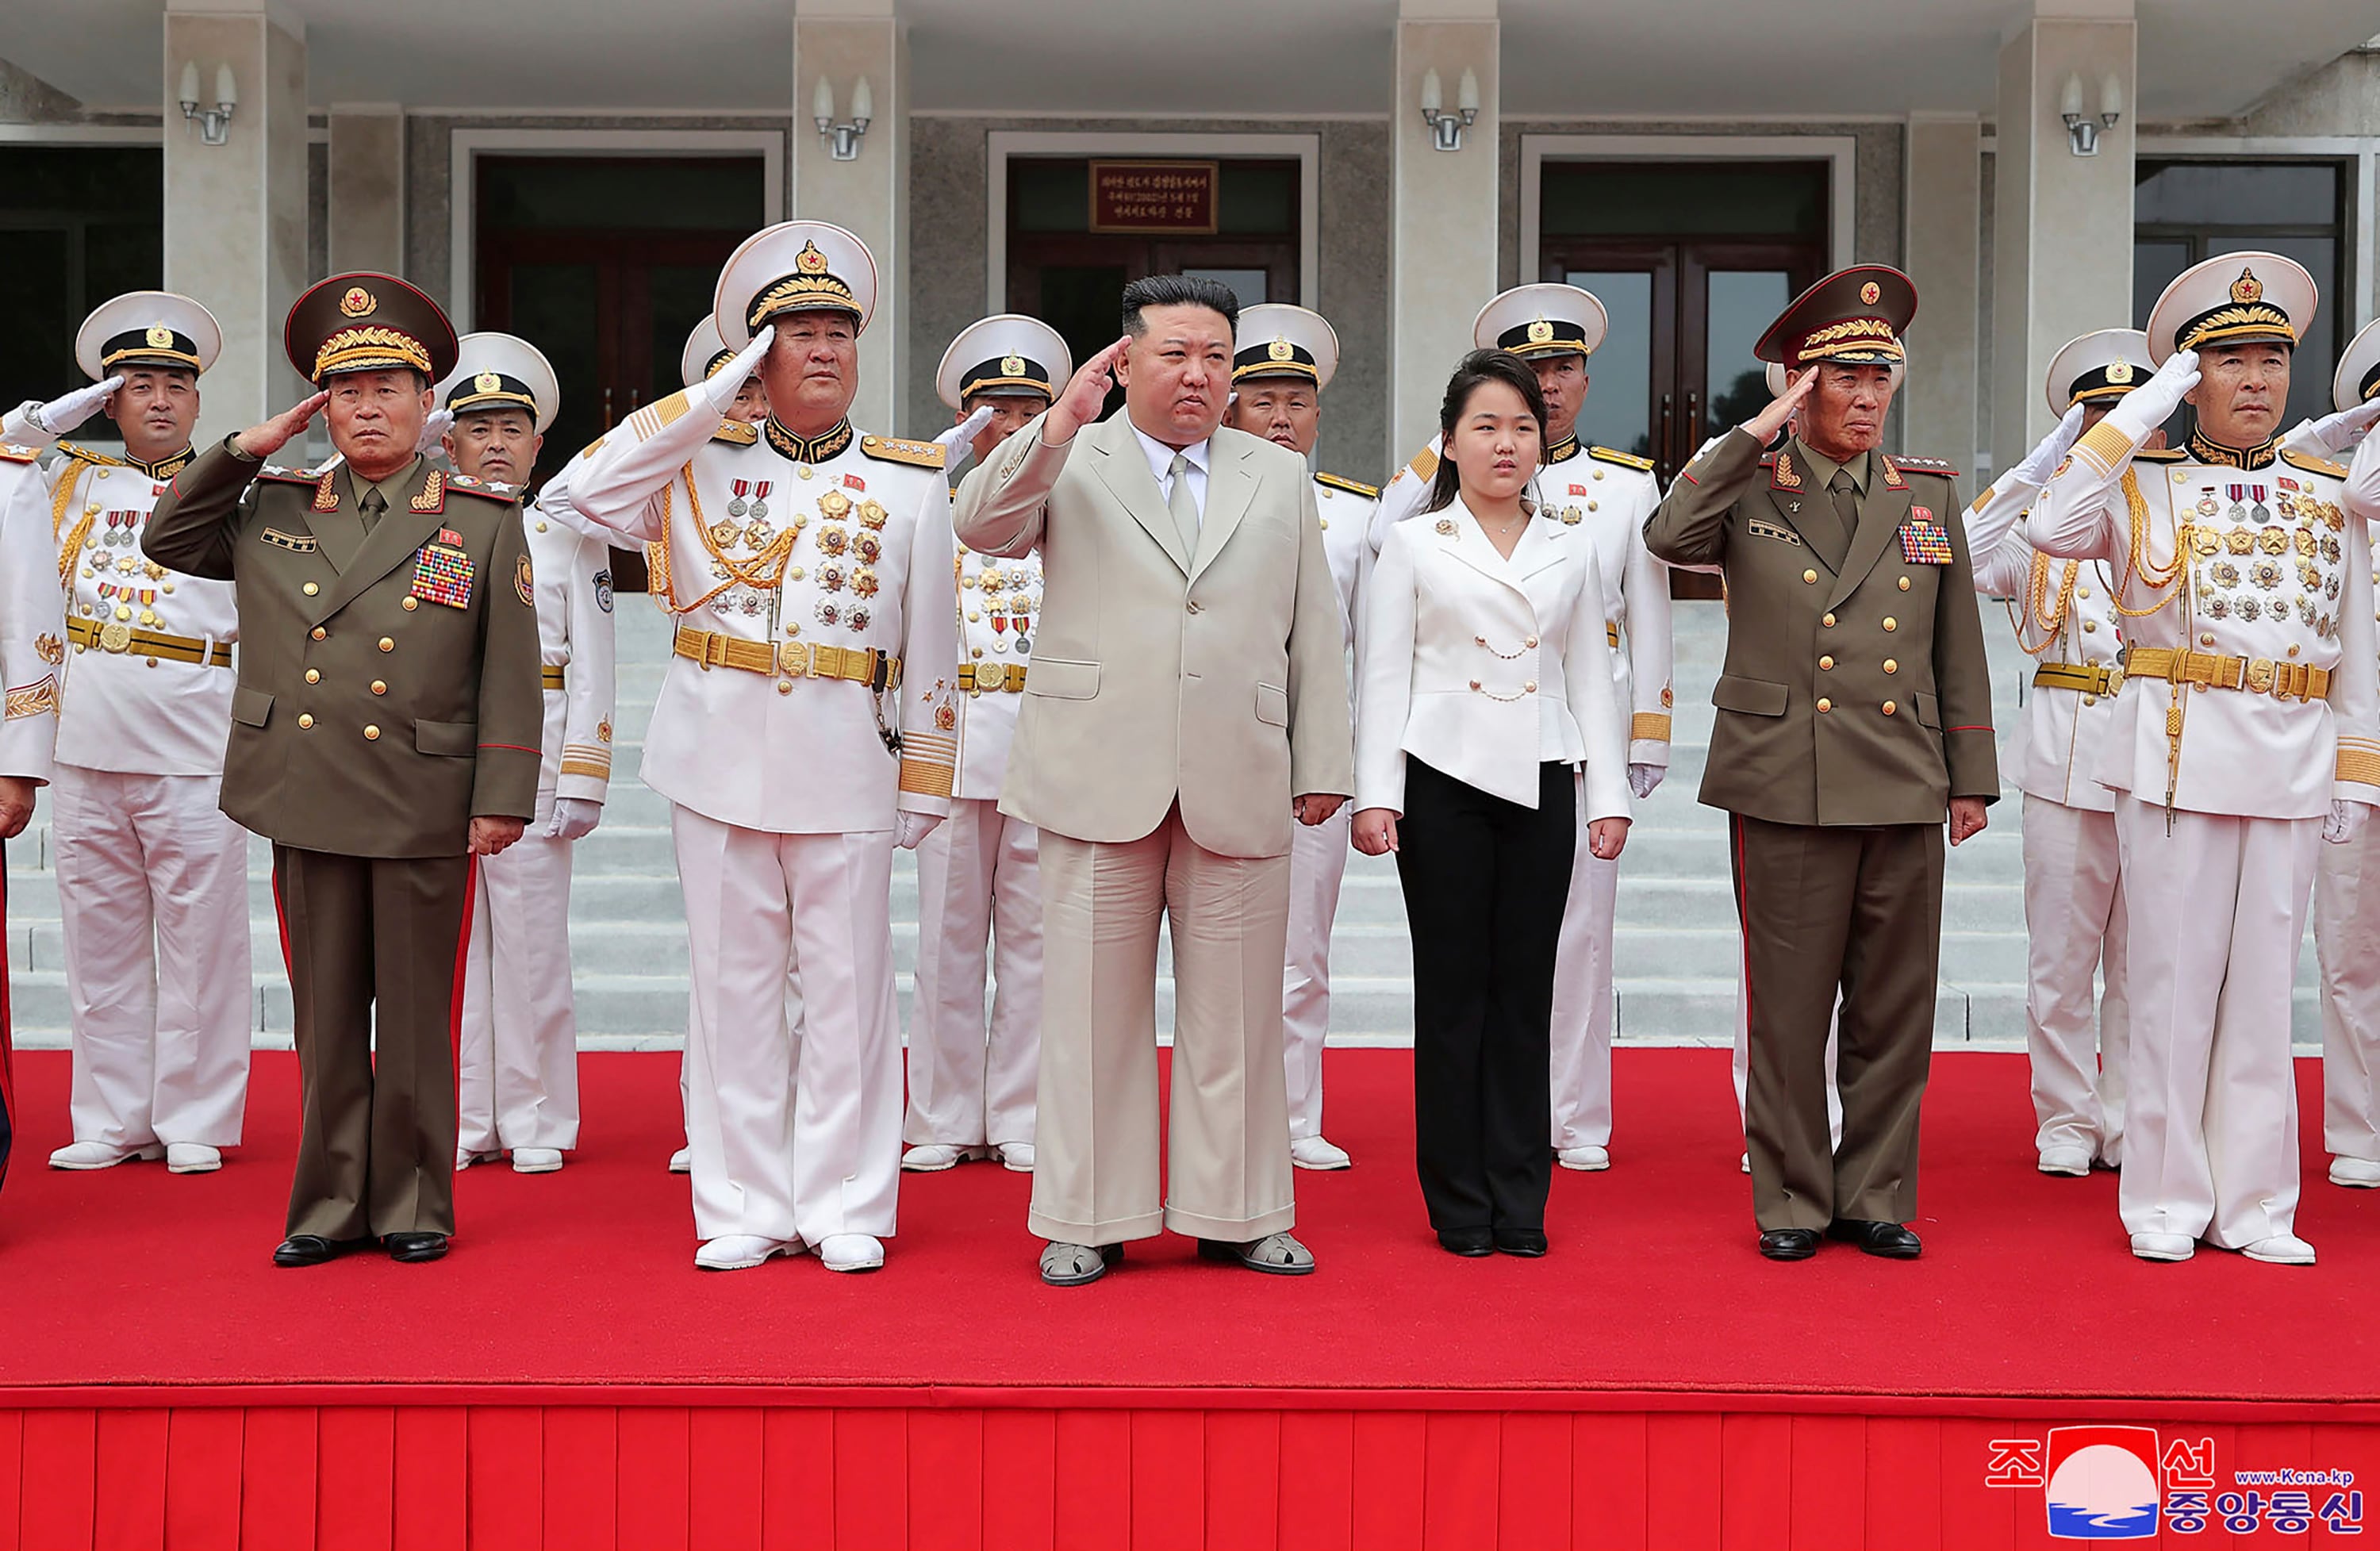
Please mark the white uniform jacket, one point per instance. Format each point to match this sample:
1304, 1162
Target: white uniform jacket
576, 653
1485, 667
1609, 495
2271, 564
32, 628
998, 611
2066, 619
794, 560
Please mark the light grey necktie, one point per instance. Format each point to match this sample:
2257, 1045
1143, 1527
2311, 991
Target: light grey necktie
1182, 505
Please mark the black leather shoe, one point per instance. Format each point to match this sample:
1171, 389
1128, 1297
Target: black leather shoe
1469, 1242
1527, 1243
313, 1249
1889, 1240
1788, 1243
413, 1249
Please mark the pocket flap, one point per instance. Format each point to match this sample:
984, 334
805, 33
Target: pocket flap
455, 739
1753, 697
1057, 678
250, 707
1272, 705
1929, 711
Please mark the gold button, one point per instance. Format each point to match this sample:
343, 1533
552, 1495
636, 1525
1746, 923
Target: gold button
1530, 687
379, 687
1890, 666
793, 630
1904, 584
2090, 699
1325, 521
313, 675
320, 633
973, 616
2090, 627
1890, 707
1599, 473
152, 662
2082, 592
1825, 704
2206, 638
387, 642
794, 575
91, 510
540, 528
1891, 623
371, 733
784, 686
1809, 576
2293, 651
1827, 663
1828, 621
311, 588
1591, 507
305, 718
411, 604
1531, 640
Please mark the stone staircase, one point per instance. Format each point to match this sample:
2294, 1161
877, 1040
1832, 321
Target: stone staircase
1677, 947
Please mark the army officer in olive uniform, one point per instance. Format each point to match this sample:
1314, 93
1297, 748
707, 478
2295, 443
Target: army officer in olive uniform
1854, 717
385, 732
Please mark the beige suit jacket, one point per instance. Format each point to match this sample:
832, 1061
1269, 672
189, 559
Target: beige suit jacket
1218, 678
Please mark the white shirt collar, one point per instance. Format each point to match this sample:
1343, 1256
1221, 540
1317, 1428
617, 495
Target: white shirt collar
1160, 456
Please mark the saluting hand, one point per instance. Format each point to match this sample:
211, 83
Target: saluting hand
1085, 395
261, 441
1765, 426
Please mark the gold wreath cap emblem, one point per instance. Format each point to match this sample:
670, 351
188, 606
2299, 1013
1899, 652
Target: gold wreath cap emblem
359, 302
809, 261
1540, 332
1869, 292
1012, 365
2119, 371
2247, 288
486, 382
159, 336
1281, 351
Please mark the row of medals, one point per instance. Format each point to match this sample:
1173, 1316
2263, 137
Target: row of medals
100, 558
1005, 603
847, 559
2259, 555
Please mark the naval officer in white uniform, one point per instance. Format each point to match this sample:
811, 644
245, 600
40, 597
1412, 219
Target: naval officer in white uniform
2243, 739
2065, 617
971, 1087
1283, 358
517, 1059
806, 728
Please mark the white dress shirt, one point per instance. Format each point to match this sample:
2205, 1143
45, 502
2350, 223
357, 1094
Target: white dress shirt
1160, 463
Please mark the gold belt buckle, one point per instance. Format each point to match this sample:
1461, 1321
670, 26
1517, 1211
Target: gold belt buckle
2115, 679
114, 635
793, 660
2259, 675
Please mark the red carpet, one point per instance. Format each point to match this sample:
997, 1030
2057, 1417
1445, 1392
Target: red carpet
135, 1277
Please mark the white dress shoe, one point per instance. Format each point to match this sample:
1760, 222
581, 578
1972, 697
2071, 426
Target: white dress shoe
465, 1157
740, 1251
850, 1251
2281, 1249
101, 1154
2073, 1162
1744, 1163
2164, 1246
1017, 1157
2356, 1173
682, 1161
931, 1158
192, 1158
1314, 1152
536, 1160
1591, 1160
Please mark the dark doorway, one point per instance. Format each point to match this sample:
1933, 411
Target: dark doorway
78, 224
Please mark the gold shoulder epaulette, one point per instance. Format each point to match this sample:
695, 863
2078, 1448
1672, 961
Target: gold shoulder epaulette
2313, 465
1625, 460
84, 455
1352, 487
488, 490
738, 431
2164, 454
1423, 466
893, 449
1925, 465
11, 453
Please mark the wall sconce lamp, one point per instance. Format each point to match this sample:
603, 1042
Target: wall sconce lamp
841, 141
214, 123
1446, 128
2084, 132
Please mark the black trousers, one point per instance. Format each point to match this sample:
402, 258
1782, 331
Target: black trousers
1484, 884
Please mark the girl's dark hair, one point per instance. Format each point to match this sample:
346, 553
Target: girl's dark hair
1479, 369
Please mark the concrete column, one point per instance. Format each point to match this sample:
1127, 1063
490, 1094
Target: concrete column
841, 41
367, 213
235, 212
1442, 220
2063, 236
1944, 210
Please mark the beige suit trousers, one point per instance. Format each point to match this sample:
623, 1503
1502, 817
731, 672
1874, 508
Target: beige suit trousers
1096, 1177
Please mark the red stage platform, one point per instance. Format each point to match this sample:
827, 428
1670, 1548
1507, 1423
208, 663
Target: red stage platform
567, 1379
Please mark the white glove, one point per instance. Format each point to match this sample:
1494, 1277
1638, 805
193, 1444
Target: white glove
2345, 819
2337, 433
958, 442
2153, 403
433, 430
909, 829
729, 380
63, 413
1642, 779
574, 817
2043, 461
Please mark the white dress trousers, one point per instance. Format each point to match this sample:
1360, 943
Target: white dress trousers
1318, 867
2347, 941
978, 910
516, 1064
2075, 924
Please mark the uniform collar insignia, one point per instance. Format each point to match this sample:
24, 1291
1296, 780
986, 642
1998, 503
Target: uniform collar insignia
1563, 450
817, 449
165, 468
2210, 452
